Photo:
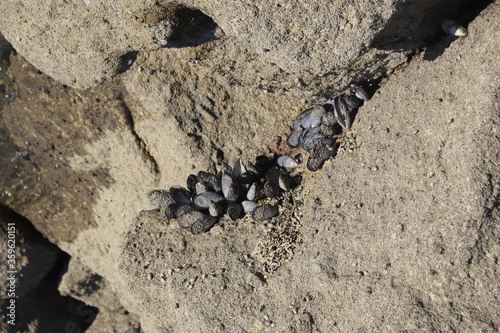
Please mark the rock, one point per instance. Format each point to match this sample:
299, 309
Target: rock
80, 165
60, 143
209, 111
33, 256
82, 44
33, 268
83, 284
318, 37
401, 229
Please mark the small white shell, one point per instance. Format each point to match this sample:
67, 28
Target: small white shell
226, 182
253, 191
248, 206
453, 28
287, 162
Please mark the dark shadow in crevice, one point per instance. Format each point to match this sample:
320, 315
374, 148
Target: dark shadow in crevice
42, 304
414, 23
193, 28
126, 61
441, 41
418, 23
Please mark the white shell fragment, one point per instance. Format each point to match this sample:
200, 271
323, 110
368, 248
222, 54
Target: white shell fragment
453, 28
362, 94
287, 162
248, 206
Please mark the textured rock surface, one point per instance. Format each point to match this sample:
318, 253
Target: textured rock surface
400, 234
91, 288
320, 37
83, 43
79, 165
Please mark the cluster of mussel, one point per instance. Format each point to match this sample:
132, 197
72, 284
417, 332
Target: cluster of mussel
315, 128
233, 191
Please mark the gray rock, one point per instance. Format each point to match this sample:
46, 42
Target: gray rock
400, 233
33, 257
401, 229
317, 37
81, 44
83, 284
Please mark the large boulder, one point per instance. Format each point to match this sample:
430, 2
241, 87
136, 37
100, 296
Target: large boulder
397, 233
81, 44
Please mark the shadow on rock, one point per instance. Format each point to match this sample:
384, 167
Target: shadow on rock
194, 28
33, 302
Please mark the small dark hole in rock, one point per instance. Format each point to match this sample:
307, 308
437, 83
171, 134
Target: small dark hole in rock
193, 28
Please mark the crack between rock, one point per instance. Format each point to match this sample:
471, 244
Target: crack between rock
129, 119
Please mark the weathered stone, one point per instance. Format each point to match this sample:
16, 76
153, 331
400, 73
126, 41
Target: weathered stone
399, 234
33, 257
83, 284
399, 229
83, 43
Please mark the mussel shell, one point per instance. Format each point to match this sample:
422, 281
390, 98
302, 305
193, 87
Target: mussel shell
214, 209
297, 124
453, 28
307, 143
238, 169
253, 192
202, 225
191, 183
252, 169
248, 206
309, 118
187, 220
361, 93
210, 179
234, 211
342, 112
226, 169
202, 200
180, 195
319, 154
226, 182
284, 182
233, 193
169, 211
272, 189
200, 188
287, 162
183, 209
160, 198
329, 119
293, 139
353, 102
264, 212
